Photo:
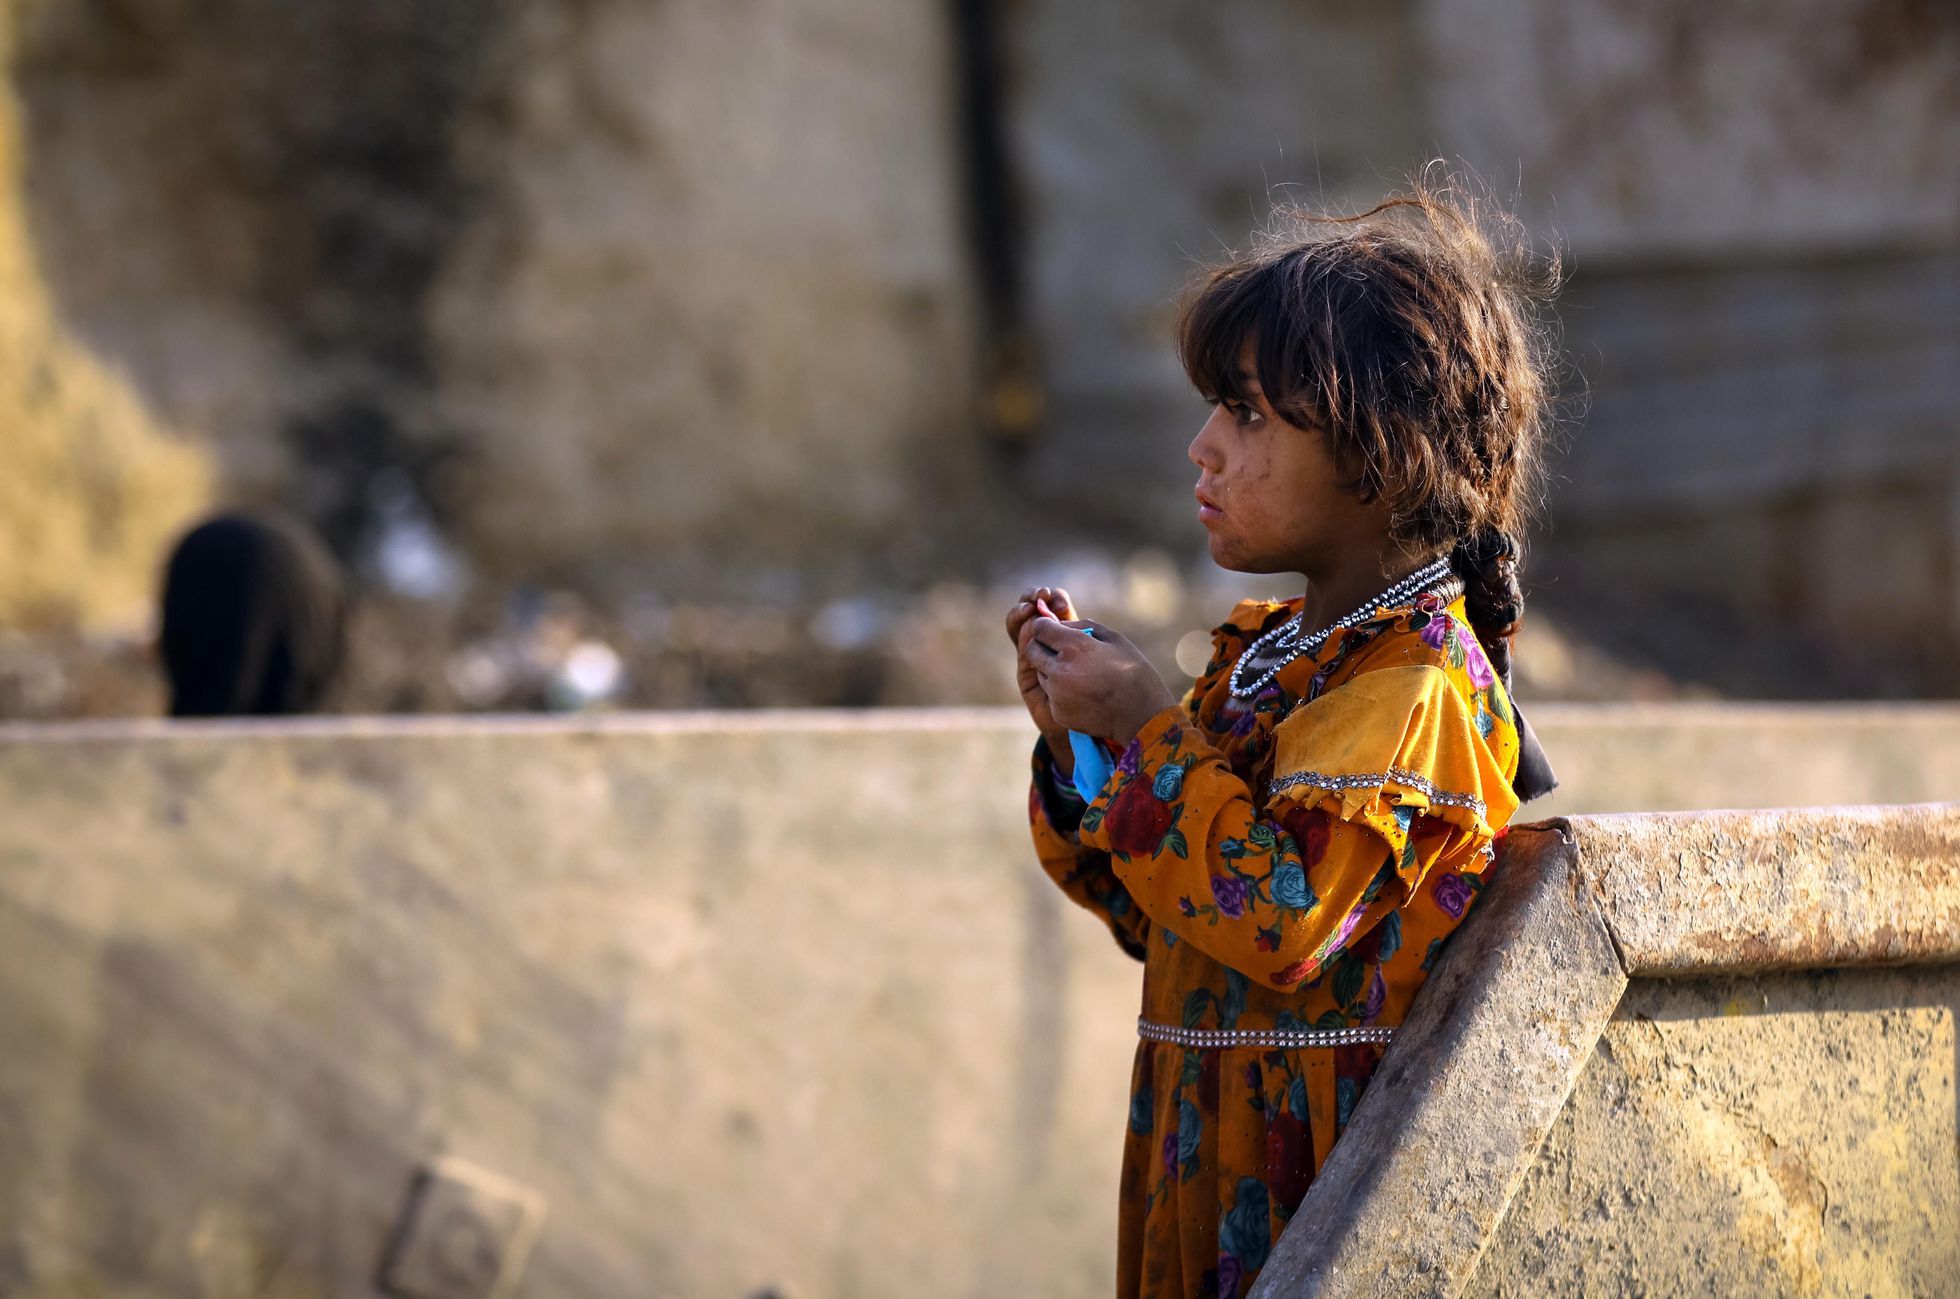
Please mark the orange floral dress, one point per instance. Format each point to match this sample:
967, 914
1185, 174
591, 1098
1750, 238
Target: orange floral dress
1287, 868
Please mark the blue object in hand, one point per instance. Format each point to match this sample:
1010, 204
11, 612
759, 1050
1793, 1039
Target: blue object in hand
1092, 765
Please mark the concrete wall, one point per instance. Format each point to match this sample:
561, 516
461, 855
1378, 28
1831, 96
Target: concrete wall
719, 286
1679, 757
750, 1000
589, 281
1746, 1120
96, 481
1148, 139
1756, 206
748, 1006
1789, 1134
1813, 126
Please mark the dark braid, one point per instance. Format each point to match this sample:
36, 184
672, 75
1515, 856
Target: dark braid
1488, 565
1494, 604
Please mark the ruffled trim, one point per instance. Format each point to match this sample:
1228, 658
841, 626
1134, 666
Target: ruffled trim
1394, 804
1390, 746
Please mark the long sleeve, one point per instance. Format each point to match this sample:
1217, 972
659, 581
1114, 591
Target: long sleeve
1372, 785
1054, 813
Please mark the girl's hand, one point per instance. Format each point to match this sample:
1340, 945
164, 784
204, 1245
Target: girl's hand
1036, 602
1100, 684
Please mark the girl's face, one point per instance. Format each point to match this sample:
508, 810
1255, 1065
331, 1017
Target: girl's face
1269, 493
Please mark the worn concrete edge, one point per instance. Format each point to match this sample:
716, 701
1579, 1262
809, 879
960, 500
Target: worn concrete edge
1462, 1102
1427, 1167
1667, 717
1732, 892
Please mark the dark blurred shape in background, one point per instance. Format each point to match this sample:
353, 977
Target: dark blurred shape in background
254, 619
675, 355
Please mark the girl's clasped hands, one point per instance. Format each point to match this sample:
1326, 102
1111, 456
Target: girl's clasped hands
1099, 684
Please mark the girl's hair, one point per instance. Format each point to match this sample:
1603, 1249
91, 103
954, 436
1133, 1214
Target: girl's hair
1414, 337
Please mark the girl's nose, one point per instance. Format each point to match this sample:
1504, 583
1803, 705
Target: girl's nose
1203, 451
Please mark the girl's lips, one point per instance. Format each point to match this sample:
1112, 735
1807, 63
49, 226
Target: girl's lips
1207, 511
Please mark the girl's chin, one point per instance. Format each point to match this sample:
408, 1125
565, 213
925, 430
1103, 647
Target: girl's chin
1227, 557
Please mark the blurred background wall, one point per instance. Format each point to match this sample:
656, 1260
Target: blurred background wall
1760, 212
754, 351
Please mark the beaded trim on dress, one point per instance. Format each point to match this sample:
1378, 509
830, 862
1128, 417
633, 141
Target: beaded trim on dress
1221, 1038
1374, 780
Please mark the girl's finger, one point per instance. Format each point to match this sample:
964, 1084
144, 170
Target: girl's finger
1049, 634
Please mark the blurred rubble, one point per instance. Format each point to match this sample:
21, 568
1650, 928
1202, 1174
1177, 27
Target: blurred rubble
531, 649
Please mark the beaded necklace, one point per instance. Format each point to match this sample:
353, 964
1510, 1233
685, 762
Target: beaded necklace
1287, 637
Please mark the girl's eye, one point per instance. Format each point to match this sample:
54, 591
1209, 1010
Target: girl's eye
1242, 413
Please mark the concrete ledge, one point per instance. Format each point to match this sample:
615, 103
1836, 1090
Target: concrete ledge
1427, 1167
1677, 757
1749, 891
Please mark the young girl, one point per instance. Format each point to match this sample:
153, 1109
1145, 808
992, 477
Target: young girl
1287, 848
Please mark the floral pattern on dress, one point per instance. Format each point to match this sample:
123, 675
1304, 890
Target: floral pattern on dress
1289, 914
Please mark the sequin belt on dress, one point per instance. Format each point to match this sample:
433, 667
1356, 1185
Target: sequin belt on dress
1220, 1038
